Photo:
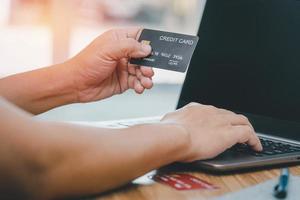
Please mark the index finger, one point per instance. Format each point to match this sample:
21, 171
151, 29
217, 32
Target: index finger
245, 134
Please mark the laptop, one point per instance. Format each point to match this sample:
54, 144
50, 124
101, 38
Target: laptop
248, 61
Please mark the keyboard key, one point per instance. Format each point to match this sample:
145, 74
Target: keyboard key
258, 154
269, 148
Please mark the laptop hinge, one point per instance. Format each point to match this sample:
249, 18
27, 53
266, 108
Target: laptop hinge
280, 139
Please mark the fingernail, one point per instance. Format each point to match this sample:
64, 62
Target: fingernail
146, 82
146, 48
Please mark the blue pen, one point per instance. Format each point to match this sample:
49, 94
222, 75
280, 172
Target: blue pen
280, 190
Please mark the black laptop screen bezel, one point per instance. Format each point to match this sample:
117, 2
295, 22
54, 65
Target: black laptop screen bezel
262, 124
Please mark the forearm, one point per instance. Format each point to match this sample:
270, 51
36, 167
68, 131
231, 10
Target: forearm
102, 159
40, 90
65, 160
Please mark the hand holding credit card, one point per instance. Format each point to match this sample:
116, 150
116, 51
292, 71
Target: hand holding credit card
170, 51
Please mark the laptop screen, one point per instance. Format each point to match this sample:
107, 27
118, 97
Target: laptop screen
248, 60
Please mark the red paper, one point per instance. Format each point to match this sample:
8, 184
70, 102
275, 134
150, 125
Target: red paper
183, 181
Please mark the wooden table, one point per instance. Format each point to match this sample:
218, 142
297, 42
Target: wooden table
226, 183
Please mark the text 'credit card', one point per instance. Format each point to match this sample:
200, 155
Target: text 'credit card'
170, 51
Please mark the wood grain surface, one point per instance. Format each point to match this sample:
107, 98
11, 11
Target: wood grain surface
226, 183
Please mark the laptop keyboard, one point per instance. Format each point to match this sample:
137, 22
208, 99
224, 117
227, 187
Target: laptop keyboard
270, 147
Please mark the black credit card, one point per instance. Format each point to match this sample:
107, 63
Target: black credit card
170, 51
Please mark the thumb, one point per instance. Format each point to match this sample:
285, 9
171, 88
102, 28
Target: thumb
129, 48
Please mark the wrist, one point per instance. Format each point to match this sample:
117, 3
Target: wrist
67, 71
175, 137
182, 138
82, 85
63, 84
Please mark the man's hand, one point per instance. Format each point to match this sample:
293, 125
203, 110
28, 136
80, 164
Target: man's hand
102, 69
210, 130
99, 71
52, 155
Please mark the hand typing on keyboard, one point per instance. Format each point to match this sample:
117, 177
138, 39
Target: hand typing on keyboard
210, 130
